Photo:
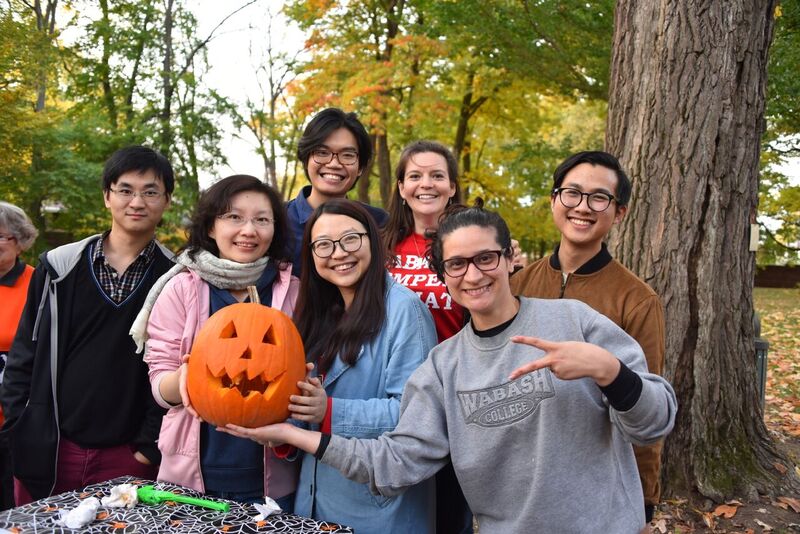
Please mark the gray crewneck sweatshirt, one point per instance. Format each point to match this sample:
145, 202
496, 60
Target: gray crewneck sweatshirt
537, 454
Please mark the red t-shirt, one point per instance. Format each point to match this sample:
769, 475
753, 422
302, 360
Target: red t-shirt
413, 272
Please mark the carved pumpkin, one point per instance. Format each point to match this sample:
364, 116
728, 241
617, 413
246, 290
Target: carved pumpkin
245, 362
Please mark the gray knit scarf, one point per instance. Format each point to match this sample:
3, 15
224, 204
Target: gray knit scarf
224, 274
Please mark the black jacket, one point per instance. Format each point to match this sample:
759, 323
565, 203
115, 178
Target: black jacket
28, 392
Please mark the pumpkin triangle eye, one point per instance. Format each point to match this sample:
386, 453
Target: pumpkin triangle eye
228, 331
269, 337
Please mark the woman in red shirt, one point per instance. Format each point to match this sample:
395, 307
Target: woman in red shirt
426, 183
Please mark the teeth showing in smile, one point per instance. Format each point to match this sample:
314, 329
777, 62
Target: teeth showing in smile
344, 267
581, 222
328, 176
477, 291
245, 245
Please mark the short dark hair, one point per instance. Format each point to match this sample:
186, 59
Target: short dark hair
326, 330
216, 200
323, 125
457, 216
596, 157
401, 220
139, 159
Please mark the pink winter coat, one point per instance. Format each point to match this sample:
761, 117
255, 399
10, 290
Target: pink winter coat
181, 309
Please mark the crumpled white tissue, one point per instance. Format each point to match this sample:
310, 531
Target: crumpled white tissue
122, 496
270, 507
80, 516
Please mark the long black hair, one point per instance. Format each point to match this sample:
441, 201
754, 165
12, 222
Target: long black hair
216, 200
326, 329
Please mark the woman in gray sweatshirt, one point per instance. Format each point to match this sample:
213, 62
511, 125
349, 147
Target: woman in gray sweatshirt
535, 401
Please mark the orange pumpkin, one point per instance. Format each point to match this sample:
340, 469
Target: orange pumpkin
245, 362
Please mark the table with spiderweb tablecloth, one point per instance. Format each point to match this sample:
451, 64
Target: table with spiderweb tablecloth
41, 515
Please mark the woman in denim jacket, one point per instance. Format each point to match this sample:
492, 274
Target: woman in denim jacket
365, 334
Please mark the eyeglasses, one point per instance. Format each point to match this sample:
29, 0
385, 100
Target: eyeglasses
485, 261
324, 248
7, 238
571, 198
150, 196
321, 156
234, 219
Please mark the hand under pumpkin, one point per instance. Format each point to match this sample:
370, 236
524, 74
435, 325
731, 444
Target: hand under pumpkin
277, 434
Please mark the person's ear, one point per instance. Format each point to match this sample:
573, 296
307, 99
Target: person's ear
620, 214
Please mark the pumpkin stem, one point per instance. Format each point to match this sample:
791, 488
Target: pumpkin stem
252, 292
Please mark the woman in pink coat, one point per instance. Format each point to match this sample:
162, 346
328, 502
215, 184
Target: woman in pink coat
237, 238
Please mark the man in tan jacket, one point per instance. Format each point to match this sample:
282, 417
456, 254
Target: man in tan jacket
590, 195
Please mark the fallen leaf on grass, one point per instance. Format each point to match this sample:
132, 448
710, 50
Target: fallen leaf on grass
661, 526
766, 527
791, 501
708, 519
725, 511
779, 467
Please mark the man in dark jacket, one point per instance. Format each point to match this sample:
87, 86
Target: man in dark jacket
75, 395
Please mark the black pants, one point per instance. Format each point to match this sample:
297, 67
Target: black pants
453, 515
6, 479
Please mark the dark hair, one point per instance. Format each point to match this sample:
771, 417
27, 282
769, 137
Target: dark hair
138, 159
457, 216
18, 224
604, 159
320, 316
401, 219
323, 125
216, 200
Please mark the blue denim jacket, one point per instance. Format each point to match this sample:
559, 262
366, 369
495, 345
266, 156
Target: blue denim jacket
366, 403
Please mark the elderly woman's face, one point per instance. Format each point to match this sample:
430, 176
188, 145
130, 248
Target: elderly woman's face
9, 250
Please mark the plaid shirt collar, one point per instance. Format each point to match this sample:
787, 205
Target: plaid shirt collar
115, 285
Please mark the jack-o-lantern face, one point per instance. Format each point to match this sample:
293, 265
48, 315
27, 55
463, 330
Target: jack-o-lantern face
245, 363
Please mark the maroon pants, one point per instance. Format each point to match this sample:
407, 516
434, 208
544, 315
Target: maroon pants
78, 467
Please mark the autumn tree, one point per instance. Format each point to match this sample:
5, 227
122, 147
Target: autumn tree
686, 115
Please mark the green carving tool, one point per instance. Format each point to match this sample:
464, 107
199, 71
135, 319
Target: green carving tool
150, 495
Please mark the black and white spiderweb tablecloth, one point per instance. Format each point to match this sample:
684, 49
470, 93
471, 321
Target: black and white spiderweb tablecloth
40, 516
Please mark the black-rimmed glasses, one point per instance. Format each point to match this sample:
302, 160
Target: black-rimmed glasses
487, 260
324, 248
323, 156
571, 198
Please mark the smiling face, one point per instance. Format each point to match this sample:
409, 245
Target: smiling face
426, 187
581, 228
135, 216
342, 269
486, 294
248, 242
332, 179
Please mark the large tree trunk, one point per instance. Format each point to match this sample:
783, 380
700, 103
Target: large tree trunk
686, 108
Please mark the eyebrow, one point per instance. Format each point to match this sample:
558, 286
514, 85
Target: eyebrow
579, 188
151, 185
349, 231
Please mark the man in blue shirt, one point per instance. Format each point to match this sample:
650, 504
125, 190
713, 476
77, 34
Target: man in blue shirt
335, 149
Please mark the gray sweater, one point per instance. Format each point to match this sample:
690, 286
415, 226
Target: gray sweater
537, 454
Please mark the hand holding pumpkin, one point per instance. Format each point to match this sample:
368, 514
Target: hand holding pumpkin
277, 434
184, 392
312, 405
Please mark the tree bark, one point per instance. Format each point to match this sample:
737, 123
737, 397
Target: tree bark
685, 117
168, 87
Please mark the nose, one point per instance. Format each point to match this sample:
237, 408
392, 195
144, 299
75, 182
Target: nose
338, 251
426, 181
335, 158
137, 200
473, 273
248, 227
